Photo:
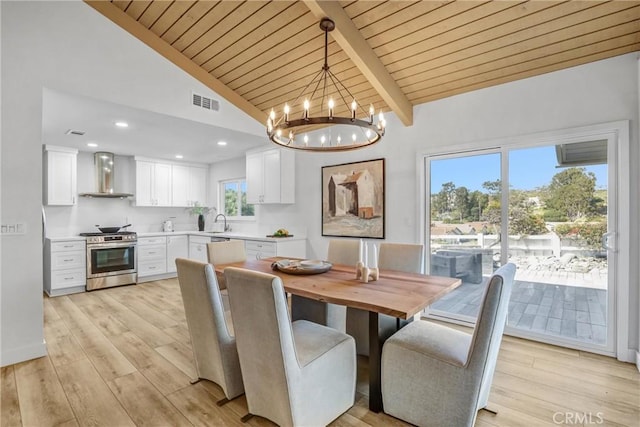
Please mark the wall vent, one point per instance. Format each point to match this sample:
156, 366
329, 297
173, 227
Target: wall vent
74, 132
204, 102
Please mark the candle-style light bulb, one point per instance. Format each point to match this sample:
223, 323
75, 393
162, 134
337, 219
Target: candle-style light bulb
279, 132
286, 112
269, 125
290, 135
306, 108
272, 115
339, 139
381, 116
354, 106
330, 107
353, 137
371, 113
306, 139
322, 140
368, 133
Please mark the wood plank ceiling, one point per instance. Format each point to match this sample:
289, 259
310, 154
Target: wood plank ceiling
261, 54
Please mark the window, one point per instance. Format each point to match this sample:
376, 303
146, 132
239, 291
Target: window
234, 199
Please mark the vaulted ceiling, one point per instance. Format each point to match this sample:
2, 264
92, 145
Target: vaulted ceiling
392, 54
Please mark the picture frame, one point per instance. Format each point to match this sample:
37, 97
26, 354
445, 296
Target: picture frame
353, 199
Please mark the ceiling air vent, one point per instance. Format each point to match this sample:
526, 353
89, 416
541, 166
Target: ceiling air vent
204, 102
74, 132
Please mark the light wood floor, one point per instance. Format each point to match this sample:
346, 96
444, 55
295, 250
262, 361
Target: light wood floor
122, 356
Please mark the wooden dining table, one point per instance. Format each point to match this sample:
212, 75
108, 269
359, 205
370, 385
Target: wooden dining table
396, 294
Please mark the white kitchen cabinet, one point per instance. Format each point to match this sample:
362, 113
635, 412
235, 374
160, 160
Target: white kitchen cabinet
65, 268
177, 247
60, 176
198, 248
270, 176
153, 183
152, 256
284, 248
188, 185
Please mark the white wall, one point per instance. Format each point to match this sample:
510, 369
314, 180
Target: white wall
69, 47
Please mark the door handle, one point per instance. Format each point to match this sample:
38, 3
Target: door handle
605, 241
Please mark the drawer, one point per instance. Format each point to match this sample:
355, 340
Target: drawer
68, 278
152, 252
199, 239
157, 240
75, 245
198, 252
151, 268
68, 260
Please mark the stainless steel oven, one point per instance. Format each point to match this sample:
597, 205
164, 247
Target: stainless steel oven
111, 260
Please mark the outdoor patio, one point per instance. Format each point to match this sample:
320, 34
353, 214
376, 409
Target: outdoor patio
574, 312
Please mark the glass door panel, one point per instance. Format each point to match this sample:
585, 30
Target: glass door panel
464, 233
557, 221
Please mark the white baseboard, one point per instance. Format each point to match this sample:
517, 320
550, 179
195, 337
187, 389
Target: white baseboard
17, 355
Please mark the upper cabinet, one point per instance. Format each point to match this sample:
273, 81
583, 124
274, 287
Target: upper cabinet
189, 185
270, 176
168, 184
60, 176
153, 183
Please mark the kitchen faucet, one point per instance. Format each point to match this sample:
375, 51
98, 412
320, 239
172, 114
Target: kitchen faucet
225, 221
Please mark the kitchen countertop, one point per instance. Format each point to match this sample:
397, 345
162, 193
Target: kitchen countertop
239, 236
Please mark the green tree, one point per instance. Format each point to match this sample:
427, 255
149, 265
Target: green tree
572, 191
461, 202
442, 203
230, 202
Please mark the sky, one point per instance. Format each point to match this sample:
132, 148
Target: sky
529, 168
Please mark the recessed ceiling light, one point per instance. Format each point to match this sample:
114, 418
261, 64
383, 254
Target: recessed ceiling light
91, 144
122, 124
222, 143
179, 156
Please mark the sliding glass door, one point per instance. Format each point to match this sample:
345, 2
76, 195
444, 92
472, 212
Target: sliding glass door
549, 210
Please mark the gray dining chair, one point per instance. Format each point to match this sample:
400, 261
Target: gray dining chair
393, 256
340, 251
295, 373
225, 253
212, 341
433, 375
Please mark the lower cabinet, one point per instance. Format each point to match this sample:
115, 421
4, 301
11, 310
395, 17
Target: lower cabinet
198, 248
65, 267
152, 256
267, 248
177, 247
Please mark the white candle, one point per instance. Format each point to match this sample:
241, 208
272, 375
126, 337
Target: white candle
366, 255
374, 263
360, 252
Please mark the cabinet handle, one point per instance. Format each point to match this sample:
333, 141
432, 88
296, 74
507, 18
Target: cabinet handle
152, 268
67, 260
73, 200
68, 278
67, 246
151, 253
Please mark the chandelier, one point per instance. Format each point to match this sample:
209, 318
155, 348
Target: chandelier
326, 131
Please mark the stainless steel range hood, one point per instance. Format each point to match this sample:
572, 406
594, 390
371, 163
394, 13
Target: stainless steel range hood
104, 172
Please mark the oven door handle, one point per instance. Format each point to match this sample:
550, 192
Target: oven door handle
107, 245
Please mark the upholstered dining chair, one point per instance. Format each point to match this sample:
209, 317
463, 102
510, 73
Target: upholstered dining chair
295, 374
345, 252
214, 347
433, 375
393, 256
225, 253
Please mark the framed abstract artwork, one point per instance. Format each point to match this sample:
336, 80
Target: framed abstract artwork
353, 199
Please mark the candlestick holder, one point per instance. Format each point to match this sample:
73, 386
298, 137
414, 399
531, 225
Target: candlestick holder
366, 274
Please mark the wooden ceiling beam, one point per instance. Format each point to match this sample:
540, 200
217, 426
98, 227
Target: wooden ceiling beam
137, 30
354, 44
